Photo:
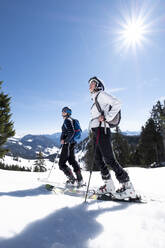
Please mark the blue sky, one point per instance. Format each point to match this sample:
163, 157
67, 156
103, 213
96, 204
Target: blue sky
49, 50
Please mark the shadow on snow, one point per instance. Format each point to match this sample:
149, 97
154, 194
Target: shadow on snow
65, 228
29, 192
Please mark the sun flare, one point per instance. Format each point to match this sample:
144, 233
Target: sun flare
133, 31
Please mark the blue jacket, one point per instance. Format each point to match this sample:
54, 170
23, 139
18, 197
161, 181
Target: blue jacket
68, 131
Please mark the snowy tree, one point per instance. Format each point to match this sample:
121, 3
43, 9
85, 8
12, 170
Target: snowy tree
6, 125
39, 164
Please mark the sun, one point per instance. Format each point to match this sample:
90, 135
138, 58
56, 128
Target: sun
133, 32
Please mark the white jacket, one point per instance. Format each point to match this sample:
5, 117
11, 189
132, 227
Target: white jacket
109, 105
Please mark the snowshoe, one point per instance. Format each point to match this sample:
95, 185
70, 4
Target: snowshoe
126, 191
109, 197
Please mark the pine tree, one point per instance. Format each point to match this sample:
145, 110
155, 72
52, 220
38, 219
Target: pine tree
136, 157
6, 125
158, 115
150, 143
89, 156
121, 148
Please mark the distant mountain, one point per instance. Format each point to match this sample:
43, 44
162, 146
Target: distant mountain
29, 145
55, 137
131, 133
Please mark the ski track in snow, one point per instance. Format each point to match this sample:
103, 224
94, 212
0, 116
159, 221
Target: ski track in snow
33, 217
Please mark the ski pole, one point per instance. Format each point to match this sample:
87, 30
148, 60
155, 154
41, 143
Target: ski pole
54, 162
97, 140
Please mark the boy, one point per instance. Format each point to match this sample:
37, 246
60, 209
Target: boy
67, 152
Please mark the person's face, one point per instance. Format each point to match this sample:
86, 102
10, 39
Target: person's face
92, 86
64, 114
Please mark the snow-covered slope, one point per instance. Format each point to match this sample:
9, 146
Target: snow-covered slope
32, 217
30, 163
26, 163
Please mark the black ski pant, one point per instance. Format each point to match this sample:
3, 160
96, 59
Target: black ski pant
104, 155
67, 154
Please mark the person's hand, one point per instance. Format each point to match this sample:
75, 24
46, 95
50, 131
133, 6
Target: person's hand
62, 142
101, 118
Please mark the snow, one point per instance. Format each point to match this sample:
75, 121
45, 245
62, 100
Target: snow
15, 139
28, 147
52, 150
32, 217
8, 160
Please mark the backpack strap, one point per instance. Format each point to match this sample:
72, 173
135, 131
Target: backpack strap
101, 111
98, 105
71, 120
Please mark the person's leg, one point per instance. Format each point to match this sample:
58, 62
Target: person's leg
127, 189
108, 186
109, 157
98, 160
72, 161
62, 162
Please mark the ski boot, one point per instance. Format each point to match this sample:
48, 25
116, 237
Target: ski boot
71, 179
80, 181
126, 191
70, 182
81, 184
107, 188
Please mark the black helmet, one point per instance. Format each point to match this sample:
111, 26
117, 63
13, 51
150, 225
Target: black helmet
99, 84
67, 110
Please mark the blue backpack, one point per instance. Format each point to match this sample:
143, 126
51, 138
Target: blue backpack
77, 129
